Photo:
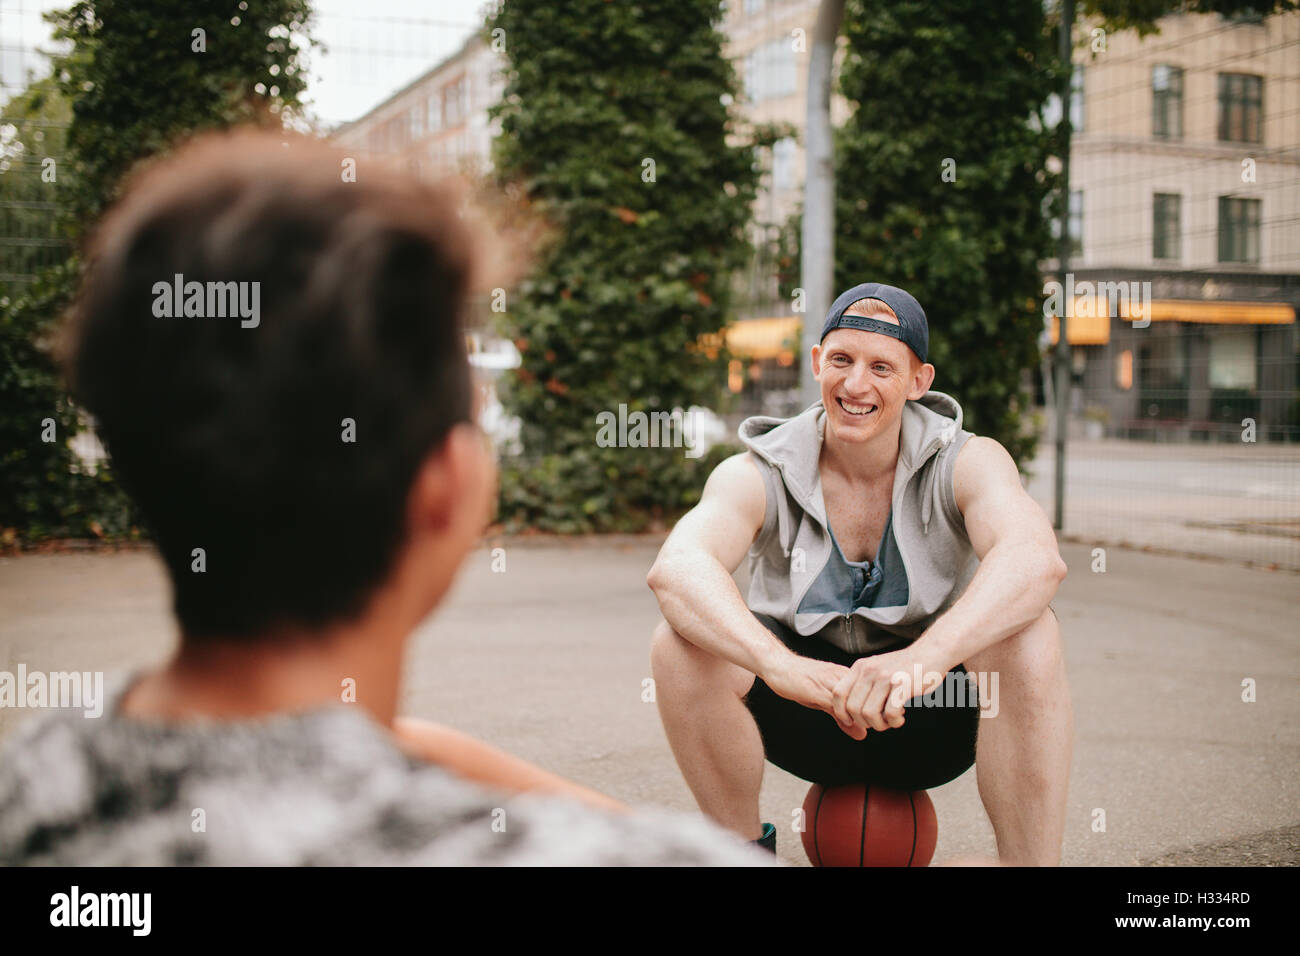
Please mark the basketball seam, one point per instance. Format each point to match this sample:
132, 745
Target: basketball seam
911, 800
862, 837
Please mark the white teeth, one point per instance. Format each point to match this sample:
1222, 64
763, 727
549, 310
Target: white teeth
856, 409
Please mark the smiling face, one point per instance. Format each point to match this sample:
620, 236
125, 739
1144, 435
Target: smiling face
866, 378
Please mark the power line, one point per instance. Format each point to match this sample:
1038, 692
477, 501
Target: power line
1147, 48
1092, 249
1214, 193
1193, 164
1215, 67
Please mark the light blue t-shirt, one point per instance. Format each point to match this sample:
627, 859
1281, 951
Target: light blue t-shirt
843, 585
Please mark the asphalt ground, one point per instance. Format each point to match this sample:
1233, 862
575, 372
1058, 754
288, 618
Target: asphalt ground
549, 658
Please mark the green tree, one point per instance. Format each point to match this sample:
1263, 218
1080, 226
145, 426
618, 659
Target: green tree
144, 73
33, 127
45, 492
945, 198
1144, 15
615, 128
140, 75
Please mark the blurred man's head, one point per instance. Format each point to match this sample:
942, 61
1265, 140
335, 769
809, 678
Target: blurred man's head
289, 460
866, 370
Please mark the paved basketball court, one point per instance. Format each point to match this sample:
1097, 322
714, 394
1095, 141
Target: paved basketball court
549, 658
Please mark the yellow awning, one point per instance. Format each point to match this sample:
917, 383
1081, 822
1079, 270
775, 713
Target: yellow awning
1083, 329
1222, 313
1092, 327
764, 338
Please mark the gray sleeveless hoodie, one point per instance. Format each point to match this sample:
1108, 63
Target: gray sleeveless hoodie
793, 546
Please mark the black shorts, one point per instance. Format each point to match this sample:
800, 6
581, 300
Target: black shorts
934, 745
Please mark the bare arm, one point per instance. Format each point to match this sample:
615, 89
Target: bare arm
474, 760
692, 575
1020, 564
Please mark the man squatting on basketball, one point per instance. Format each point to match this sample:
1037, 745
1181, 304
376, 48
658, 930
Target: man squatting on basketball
885, 541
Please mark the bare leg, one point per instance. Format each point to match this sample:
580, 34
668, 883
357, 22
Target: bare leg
1022, 758
711, 732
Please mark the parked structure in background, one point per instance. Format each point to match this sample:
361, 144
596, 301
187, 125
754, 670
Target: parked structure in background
1185, 174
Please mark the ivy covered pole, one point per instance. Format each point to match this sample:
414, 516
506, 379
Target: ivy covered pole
1062, 364
942, 186
817, 265
616, 129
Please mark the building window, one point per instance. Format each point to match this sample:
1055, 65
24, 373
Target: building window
453, 102
1076, 223
1162, 362
1167, 101
770, 71
1238, 230
417, 120
1241, 98
753, 6
434, 113
1232, 359
783, 158
397, 132
1234, 374
1167, 230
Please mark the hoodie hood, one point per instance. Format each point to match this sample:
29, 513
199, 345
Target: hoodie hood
794, 448
935, 559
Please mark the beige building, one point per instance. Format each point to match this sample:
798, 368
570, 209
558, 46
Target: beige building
1185, 175
439, 122
1208, 109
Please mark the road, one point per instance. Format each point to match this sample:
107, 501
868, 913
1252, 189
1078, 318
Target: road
1237, 502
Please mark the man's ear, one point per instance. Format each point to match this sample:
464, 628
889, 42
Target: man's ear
816, 360
448, 479
921, 380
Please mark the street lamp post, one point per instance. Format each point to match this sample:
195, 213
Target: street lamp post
1062, 363
817, 257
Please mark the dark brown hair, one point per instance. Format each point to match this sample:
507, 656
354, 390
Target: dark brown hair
230, 435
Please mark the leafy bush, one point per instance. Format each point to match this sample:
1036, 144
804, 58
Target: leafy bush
972, 76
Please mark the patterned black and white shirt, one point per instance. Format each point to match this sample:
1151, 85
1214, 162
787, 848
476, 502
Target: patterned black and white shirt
325, 787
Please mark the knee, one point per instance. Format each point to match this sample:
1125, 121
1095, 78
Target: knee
1032, 658
670, 654
681, 668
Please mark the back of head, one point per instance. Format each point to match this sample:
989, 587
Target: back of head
280, 437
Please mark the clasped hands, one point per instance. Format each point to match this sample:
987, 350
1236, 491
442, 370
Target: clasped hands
871, 694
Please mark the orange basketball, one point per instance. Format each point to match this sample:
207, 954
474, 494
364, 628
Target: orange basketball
861, 825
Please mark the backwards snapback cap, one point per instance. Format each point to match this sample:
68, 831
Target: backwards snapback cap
912, 329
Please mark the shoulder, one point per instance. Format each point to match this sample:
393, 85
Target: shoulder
49, 781
740, 481
739, 471
983, 467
